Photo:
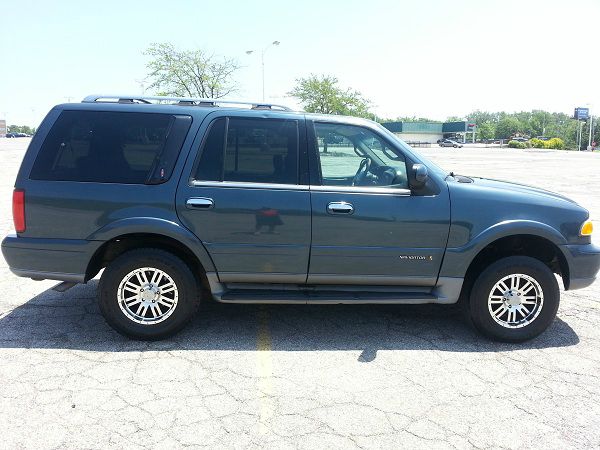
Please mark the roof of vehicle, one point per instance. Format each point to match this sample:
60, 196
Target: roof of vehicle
192, 106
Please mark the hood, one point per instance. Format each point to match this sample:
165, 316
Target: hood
519, 188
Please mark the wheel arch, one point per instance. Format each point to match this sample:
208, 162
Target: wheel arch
126, 234
536, 246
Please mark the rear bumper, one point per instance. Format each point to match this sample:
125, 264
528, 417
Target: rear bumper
584, 264
52, 259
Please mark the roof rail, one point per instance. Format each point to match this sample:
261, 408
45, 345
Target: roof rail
183, 101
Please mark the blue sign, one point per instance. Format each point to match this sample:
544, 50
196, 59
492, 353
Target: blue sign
582, 113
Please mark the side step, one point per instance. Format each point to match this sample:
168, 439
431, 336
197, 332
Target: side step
324, 297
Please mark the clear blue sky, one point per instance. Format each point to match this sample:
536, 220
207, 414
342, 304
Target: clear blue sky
424, 58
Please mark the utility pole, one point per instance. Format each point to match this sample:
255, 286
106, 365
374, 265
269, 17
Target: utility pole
591, 128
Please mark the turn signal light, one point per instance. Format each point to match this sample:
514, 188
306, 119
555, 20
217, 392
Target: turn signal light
587, 228
18, 208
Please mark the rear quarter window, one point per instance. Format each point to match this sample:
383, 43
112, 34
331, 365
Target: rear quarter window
104, 147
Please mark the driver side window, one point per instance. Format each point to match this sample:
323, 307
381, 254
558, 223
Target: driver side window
354, 156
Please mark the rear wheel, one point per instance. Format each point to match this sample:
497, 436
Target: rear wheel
148, 294
514, 299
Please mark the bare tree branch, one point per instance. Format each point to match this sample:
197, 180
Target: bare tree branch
192, 73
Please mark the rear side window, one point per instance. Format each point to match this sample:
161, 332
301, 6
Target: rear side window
109, 147
250, 150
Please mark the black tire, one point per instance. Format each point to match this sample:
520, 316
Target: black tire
455, 146
482, 318
187, 286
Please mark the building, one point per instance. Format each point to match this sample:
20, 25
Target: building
430, 132
3, 129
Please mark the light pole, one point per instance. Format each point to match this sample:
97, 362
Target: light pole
142, 85
262, 61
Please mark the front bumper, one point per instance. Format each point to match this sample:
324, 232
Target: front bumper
52, 259
584, 264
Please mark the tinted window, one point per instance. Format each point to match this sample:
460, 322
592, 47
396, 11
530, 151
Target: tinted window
210, 165
250, 150
355, 156
103, 147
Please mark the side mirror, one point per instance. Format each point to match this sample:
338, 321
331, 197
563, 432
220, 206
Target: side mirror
420, 175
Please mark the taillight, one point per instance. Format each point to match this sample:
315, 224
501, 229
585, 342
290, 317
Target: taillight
19, 210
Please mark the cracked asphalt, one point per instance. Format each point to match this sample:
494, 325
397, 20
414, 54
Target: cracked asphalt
303, 377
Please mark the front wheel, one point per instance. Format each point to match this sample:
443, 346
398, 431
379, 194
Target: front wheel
514, 299
148, 294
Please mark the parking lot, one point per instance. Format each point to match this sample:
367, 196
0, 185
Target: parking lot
244, 376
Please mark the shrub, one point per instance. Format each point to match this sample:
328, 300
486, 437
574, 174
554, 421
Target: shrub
555, 143
516, 144
536, 143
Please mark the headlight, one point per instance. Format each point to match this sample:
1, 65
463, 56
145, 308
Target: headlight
587, 228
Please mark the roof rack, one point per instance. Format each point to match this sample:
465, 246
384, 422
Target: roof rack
182, 101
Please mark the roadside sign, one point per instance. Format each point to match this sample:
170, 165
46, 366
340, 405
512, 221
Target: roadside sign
582, 113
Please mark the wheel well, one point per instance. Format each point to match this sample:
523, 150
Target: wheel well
517, 245
121, 244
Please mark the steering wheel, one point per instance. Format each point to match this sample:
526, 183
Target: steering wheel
362, 171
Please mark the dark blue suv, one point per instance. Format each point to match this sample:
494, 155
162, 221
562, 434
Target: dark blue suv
183, 200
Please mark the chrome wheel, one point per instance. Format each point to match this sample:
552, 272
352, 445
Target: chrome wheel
147, 295
516, 300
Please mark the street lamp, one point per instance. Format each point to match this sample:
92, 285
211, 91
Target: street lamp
262, 61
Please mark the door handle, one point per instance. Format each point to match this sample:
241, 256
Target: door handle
340, 208
200, 203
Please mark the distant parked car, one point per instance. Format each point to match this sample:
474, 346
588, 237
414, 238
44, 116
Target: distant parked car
450, 143
17, 135
519, 139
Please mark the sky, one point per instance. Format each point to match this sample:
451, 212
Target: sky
422, 58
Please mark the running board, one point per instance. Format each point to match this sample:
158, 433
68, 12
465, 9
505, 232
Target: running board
324, 297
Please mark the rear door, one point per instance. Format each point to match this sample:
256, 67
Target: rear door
246, 196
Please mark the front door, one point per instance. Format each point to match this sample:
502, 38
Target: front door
246, 200
368, 227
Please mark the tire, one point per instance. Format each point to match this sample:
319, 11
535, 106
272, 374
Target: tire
536, 286
455, 146
168, 290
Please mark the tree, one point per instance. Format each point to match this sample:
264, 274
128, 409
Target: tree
321, 94
190, 73
487, 130
507, 126
21, 129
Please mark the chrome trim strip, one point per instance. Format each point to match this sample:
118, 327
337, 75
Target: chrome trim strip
362, 190
244, 185
304, 187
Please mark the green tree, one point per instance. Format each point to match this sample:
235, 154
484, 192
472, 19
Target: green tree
507, 126
190, 73
21, 129
321, 94
487, 130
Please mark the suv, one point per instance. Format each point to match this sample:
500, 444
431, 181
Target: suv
186, 200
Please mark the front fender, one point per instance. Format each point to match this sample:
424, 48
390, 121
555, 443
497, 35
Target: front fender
457, 259
154, 225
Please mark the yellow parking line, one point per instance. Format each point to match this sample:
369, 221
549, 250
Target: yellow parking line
265, 371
